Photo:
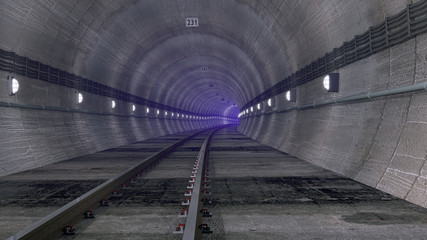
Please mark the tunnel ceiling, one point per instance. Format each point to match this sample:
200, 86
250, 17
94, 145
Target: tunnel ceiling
143, 47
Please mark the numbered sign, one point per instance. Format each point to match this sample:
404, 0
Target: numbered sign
192, 22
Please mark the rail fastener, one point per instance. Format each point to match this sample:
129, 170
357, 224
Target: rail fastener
189, 193
184, 213
186, 202
179, 229
205, 213
89, 214
104, 203
205, 228
69, 230
116, 194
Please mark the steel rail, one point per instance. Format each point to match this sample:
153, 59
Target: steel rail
194, 218
51, 226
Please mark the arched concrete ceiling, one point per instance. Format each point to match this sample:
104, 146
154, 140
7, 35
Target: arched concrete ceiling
143, 47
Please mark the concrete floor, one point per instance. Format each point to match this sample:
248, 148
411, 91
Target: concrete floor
257, 193
260, 193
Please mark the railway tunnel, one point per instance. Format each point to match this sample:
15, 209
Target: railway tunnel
317, 111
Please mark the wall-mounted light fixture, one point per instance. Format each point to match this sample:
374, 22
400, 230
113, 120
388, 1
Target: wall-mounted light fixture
133, 108
113, 104
13, 85
331, 82
291, 95
258, 106
269, 102
79, 97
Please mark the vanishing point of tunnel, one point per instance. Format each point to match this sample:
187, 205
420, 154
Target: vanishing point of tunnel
226, 119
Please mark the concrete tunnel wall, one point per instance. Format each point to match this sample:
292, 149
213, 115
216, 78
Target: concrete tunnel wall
34, 138
249, 46
381, 142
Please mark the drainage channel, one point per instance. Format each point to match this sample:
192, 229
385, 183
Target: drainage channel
63, 220
197, 197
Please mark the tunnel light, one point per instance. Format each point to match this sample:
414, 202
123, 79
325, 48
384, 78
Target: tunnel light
113, 104
291, 95
166, 113
252, 109
148, 110
177, 114
326, 82
79, 98
331, 82
269, 102
158, 111
133, 108
247, 111
258, 106
13, 85
172, 114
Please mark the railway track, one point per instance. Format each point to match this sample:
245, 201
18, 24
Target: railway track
257, 193
62, 221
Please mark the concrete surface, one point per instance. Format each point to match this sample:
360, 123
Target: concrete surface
261, 193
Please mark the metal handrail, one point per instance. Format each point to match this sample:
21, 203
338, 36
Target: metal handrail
364, 96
